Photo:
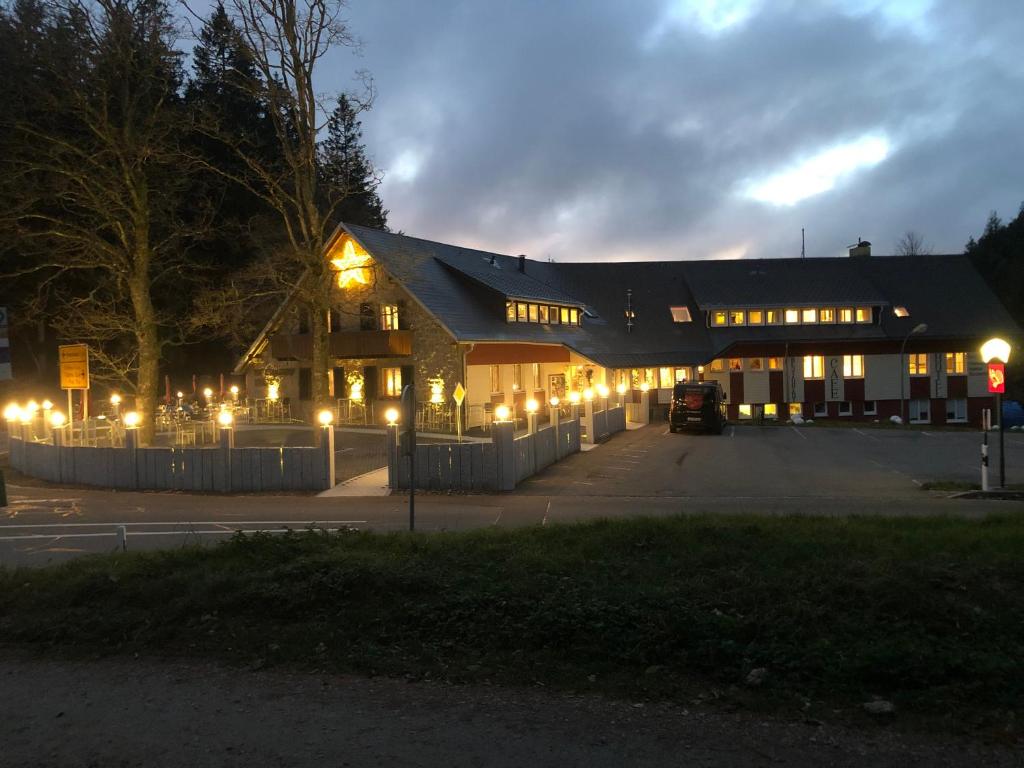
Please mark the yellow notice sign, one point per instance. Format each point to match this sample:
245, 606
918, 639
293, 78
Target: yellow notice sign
459, 394
74, 366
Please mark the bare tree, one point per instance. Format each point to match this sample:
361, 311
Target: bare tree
100, 184
912, 244
288, 40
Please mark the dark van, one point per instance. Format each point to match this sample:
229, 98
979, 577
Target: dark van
699, 406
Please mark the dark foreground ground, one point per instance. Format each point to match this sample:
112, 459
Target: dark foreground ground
129, 713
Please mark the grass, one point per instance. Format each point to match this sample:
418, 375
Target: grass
927, 613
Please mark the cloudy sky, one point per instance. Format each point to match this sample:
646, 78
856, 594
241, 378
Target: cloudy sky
667, 129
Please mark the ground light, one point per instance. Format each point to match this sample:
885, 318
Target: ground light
207, 393
621, 389
554, 401
602, 390
645, 387
532, 405
115, 399
502, 413
325, 417
12, 412
57, 419
224, 418
574, 397
234, 391
391, 414
588, 394
997, 350
131, 419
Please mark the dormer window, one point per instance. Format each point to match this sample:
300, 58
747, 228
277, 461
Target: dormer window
547, 314
680, 314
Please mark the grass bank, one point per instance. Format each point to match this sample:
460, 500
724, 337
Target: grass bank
926, 613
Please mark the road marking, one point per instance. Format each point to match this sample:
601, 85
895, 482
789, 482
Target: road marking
581, 482
547, 511
799, 432
916, 482
864, 434
928, 434
665, 432
624, 469
732, 431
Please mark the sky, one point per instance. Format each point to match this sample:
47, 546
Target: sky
672, 129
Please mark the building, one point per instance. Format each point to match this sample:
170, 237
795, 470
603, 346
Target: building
818, 337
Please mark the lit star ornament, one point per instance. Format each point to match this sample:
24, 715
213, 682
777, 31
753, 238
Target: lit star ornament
352, 265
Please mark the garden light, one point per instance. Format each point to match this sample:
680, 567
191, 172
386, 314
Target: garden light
645, 387
502, 413
574, 397
532, 405
602, 390
57, 419
554, 401
391, 414
588, 394
325, 417
12, 412
224, 418
115, 399
131, 419
621, 389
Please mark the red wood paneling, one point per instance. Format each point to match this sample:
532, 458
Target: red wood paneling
814, 391
500, 354
736, 386
938, 410
920, 387
975, 405
775, 387
854, 389
956, 386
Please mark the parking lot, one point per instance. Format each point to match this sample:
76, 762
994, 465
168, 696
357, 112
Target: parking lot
776, 461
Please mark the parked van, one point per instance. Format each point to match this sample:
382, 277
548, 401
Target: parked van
699, 406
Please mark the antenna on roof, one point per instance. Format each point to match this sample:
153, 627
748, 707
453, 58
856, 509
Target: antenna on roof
803, 251
630, 314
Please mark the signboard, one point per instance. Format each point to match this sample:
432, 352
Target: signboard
459, 394
74, 366
5, 347
997, 378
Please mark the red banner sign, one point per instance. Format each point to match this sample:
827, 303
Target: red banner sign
996, 378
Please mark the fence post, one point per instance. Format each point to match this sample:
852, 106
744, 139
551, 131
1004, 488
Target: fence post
227, 443
588, 420
645, 406
391, 446
555, 424
131, 447
503, 436
327, 447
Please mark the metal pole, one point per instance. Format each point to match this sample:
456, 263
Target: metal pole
412, 488
984, 451
903, 366
1002, 442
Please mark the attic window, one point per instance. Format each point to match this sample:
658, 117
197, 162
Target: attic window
680, 314
901, 311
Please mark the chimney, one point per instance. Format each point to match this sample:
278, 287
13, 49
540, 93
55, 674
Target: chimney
862, 248
522, 263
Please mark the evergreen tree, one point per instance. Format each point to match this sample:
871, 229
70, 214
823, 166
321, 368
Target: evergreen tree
347, 175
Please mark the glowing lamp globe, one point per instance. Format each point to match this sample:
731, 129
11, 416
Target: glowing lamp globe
602, 390
224, 418
588, 394
115, 399
574, 397
181, 395
532, 405
645, 387
131, 419
502, 412
234, 389
554, 401
207, 393
995, 350
621, 389
12, 412
325, 417
391, 414
47, 405
57, 419
31, 406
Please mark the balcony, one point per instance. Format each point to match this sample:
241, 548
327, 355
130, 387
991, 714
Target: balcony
344, 344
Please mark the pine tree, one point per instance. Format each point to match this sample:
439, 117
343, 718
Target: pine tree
348, 178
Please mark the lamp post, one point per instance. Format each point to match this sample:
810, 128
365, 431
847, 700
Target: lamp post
998, 351
919, 328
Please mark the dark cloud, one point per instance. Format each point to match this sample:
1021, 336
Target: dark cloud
598, 129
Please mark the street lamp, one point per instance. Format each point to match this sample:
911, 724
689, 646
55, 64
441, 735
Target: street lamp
224, 418
919, 328
131, 420
391, 414
992, 351
502, 412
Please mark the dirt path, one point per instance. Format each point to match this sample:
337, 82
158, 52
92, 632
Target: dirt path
171, 713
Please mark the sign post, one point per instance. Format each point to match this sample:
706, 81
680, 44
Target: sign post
407, 445
997, 386
458, 396
74, 374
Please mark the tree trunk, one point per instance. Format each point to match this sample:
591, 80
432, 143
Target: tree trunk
320, 358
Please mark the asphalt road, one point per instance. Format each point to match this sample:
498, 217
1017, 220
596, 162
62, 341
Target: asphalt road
769, 470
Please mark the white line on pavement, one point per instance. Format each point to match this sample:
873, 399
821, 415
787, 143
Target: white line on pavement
799, 432
927, 434
864, 434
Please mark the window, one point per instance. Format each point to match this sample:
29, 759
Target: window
389, 317
665, 378
521, 312
534, 315
774, 363
827, 315
367, 317
737, 317
536, 373
870, 408
919, 413
796, 409
755, 317
745, 411
735, 364
392, 382
718, 365
814, 367
853, 366
845, 409
773, 317
956, 362
680, 314
792, 316
821, 409
719, 318
809, 315
574, 316
510, 311
863, 314
757, 363
917, 364
682, 374
553, 314
771, 411
956, 409
495, 378
901, 311
517, 377
543, 313
846, 315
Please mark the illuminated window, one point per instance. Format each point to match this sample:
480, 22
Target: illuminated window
718, 365
665, 378
771, 411
814, 367
809, 315
846, 315
744, 411
536, 374
574, 316
495, 378
392, 382
796, 409
719, 318
737, 317
517, 377
826, 315
917, 364
863, 314
773, 317
534, 316
389, 317
521, 312
543, 313
853, 366
956, 362
774, 363
901, 311
792, 316
553, 315
735, 364
510, 311
755, 317
680, 314
565, 315
682, 374
757, 363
